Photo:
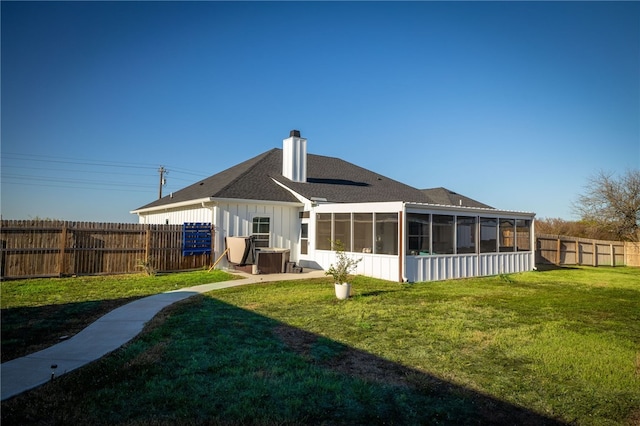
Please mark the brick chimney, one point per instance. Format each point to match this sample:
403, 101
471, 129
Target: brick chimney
294, 157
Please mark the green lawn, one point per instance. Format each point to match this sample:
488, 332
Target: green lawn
533, 348
37, 313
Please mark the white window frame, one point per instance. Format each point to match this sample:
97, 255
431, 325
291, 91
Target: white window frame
252, 233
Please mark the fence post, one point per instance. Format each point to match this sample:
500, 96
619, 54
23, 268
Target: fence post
147, 244
63, 248
595, 254
578, 259
3, 246
558, 251
613, 256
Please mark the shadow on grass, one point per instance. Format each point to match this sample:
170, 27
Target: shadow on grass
29, 329
203, 361
543, 267
376, 293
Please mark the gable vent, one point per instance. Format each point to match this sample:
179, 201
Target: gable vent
294, 157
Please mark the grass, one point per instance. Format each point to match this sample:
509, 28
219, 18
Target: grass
37, 313
534, 348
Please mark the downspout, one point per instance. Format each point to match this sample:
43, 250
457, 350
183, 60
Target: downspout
401, 252
533, 241
212, 207
477, 243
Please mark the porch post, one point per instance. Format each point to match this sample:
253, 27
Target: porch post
401, 259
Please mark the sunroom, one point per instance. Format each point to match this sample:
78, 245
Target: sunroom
413, 242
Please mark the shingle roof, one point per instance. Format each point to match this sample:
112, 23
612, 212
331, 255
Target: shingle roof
447, 197
339, 181
329, 178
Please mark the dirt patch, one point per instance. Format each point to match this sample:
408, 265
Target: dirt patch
150, 356
349, 361
634, 418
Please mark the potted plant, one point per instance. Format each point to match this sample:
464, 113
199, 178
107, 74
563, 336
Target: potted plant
340, 271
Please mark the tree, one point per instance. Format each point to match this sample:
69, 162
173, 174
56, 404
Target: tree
580, 229
613, 203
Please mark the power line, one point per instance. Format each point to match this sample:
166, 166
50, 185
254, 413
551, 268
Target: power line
69, 172
70, 160
75, 187
53, 169
75, 181
6, 167
89, 162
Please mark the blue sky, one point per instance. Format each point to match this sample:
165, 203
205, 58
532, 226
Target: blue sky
514, 104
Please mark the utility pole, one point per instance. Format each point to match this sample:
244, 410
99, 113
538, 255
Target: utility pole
163, 181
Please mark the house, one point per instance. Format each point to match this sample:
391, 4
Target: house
287, 198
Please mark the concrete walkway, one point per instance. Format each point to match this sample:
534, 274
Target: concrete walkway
108, 333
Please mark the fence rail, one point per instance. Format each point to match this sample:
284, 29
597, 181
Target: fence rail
50, 248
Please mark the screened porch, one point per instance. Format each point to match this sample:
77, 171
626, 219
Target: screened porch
424, 243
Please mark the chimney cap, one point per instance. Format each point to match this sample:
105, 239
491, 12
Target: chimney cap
294, 134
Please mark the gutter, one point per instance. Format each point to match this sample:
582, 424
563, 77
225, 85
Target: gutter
478, 210
202, 201
172, 205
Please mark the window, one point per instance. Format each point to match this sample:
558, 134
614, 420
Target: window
488, 235
442, 234
466, 235
304, 238
386, 233
342, 229
363, 232
523, 234
323, 231
418, 233
507, 235
260, 231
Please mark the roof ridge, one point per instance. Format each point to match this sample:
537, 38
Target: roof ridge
262, 158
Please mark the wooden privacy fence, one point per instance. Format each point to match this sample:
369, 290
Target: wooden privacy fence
562, 250
632, 254
55, 248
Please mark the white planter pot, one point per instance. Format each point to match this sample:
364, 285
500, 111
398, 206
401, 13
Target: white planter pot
343, 290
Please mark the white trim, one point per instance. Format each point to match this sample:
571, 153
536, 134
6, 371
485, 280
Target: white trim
305, 201
269, 216
485, 212
372, 207
200, 201
172, 205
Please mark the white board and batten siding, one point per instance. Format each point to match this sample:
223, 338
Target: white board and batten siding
234, 219
177, 216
